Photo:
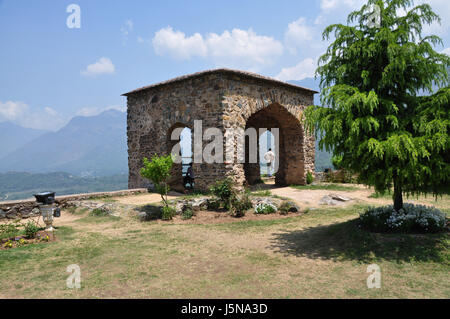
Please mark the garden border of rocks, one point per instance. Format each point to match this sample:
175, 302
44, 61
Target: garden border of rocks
201, 203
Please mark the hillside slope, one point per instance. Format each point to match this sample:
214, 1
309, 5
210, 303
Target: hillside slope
19, 185
13, 136
86, 146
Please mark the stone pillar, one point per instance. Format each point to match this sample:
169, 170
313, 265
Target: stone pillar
252, 171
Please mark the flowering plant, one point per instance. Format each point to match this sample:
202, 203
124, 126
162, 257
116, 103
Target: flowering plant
411, 218
265, 208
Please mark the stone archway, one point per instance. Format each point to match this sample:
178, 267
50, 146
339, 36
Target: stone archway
228, 100
176, 180
289, 148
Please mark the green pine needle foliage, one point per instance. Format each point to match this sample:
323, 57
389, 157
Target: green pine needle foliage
377, 120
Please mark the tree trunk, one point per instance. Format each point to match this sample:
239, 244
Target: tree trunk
164, 195
398, 197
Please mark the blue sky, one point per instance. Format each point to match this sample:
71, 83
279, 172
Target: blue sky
50, 73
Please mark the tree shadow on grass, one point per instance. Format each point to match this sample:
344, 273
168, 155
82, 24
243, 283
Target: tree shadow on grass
346, 241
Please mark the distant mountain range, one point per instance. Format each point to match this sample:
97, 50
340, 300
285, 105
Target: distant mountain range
86, 146
16, 185
13, 136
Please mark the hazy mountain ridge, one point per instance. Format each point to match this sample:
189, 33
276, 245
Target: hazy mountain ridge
13, 136
90, 146
19, 185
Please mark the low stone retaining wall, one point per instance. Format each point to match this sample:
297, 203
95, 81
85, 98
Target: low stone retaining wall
320, 177
29, 207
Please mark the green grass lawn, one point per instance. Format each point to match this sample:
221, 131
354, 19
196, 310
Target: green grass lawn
320, 254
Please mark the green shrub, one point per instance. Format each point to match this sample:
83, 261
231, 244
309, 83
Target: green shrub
238, 209
168, 212
288, 206
265, 208
229, 198
245, 201
187, 214
213, 204
158, 171
411, 218
239, 205
285, 207
152, 211
309, 178
21, 242
223, 189
31, 229
10, 230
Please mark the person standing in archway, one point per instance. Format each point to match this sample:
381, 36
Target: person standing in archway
269, 157
189, 178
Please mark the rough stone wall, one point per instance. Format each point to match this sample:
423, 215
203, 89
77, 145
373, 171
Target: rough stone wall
220, 100
153, 113
244, 99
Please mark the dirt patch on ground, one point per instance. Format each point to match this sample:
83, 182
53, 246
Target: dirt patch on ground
143, 199
311, 198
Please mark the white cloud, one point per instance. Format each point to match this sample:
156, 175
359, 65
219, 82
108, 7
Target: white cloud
334, 9
127, 27
298, 32
11, 111
91, 111
446, 51
102, 66
238, 47
300, 36
50, 111
125, 30
440, 7
21, 114
328, 5
177, 45
304, 69
320, 19
241, 44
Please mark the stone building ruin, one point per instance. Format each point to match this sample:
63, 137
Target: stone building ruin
224, 99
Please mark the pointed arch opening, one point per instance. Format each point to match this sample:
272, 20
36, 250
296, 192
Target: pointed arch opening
179, 144
287, 133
